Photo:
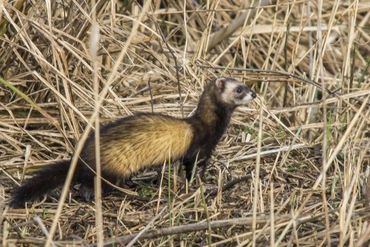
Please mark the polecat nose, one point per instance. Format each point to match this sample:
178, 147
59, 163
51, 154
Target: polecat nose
254, 95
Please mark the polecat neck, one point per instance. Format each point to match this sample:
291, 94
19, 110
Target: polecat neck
212, 114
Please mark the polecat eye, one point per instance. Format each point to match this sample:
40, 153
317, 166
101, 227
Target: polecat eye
239, 89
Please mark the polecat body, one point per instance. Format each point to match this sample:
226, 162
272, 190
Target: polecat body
144, 140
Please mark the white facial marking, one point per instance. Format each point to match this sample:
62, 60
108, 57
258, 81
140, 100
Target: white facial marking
227, 95
230, 94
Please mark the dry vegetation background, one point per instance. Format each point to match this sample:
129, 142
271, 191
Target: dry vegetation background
291, 170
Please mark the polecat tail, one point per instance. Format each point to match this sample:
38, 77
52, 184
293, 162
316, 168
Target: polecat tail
42, 182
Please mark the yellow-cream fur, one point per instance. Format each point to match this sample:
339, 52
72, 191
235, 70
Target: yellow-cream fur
151, 140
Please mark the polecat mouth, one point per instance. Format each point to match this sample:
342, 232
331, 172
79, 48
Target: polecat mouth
247, 98
254, 95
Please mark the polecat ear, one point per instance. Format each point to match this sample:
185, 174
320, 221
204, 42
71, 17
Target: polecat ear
220, 83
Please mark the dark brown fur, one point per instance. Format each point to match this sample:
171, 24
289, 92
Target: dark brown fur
142, 140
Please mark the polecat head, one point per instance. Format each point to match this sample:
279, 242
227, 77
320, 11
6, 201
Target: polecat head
232, 92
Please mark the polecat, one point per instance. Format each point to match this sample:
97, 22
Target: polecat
144, 140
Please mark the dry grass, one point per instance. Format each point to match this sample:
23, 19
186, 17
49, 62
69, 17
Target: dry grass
301, 150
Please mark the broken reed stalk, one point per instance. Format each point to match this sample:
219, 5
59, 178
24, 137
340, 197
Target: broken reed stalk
202, 226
